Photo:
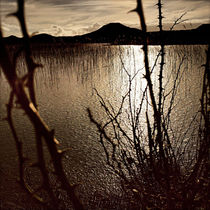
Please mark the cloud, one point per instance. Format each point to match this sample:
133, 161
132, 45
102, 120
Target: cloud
80, 16
197, 11
89, 29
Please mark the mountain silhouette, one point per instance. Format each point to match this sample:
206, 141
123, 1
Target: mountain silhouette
116, 33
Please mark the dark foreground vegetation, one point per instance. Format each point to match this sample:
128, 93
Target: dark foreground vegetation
153, 170
153, 167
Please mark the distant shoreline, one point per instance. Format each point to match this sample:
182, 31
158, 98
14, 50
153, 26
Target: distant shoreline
118, 34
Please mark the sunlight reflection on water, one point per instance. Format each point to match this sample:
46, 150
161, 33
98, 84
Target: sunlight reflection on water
64, 88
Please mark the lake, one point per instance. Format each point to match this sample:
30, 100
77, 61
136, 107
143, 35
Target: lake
65, 89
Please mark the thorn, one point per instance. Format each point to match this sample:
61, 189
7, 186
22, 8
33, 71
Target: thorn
159, 4
52, 134
60, 152
15, 14
38, 65
56, 141
133, 10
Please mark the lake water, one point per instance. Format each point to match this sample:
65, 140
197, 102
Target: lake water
65, 89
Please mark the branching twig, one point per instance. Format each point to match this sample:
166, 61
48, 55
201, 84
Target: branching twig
28, 104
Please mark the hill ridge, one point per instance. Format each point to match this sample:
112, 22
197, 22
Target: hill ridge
117, 33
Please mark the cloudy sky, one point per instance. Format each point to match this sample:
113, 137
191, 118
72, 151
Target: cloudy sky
71, 17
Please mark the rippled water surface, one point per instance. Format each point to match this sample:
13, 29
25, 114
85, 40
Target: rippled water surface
65, 89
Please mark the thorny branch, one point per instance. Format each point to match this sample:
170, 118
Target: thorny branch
141, 159
29, 105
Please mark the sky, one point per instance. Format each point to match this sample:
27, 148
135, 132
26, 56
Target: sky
74, 17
